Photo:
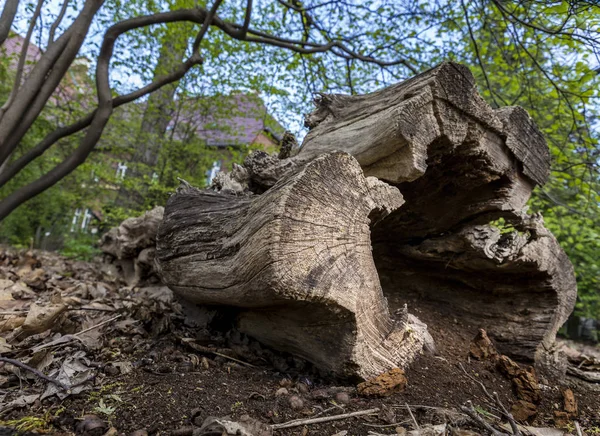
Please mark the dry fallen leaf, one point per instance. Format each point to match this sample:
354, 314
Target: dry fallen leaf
124, 367
41, 318
4, 347
73, 372
9, 324
23, 400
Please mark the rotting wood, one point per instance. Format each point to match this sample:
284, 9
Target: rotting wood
304, 245
297, 262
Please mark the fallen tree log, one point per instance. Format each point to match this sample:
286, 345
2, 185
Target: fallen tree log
300, 244
297, 262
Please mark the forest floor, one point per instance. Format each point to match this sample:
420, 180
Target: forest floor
138, 361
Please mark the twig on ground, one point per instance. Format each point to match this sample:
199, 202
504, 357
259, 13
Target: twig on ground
578, 429
412, 416
419, 406
93, 309
97, 325
511, 419
395, 424
478, 420
35, 372
496, 399
322, 412
216, 353
485, 391
14, 312
299, 422
67, 339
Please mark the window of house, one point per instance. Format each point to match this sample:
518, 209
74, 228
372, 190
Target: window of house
87, 217
121, 170
75, 220
210, 174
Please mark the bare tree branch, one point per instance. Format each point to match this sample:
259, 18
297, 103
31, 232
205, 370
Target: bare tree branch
560, 31
53, 137
22, 57
476, 47
43, 80
244, 29
105, 104
57, 22
205, 25
6, 19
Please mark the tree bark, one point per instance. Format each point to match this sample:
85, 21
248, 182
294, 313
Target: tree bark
6, 19
297, 263
303, 260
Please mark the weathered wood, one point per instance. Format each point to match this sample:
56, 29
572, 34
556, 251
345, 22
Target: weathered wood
297, 258
297, 262
131, 247
517, 285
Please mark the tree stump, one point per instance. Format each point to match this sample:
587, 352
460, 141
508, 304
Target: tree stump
403, 188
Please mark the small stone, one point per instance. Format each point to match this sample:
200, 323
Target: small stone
91, 425
296, 402
286, 383
281, 392
302, 388
320, 394
111, 432
204, 363
342, 398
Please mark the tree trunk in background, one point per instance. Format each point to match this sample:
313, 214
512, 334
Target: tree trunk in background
410, 211
156, 119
